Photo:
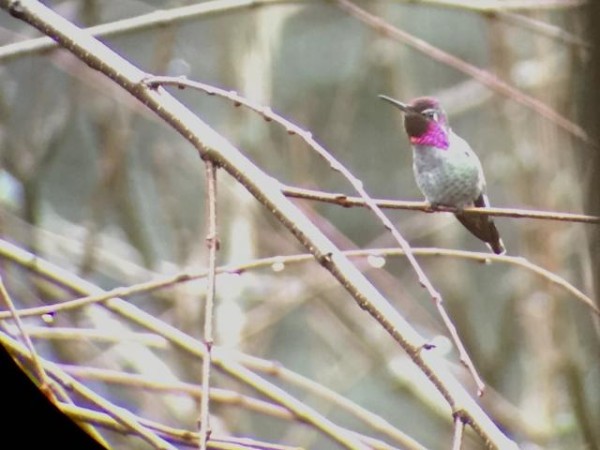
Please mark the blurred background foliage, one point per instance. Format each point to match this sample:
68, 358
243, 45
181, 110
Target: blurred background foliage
92, 181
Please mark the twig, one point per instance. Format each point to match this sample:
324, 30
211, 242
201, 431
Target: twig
94, 334
357, 184
459, 428
131, 380
47, 271
349, 201
212, 243
483, 76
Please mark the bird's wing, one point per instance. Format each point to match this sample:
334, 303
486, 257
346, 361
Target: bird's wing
483, 226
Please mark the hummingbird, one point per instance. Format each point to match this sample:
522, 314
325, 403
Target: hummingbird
447, 170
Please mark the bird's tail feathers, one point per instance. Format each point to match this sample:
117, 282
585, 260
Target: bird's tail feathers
483, 227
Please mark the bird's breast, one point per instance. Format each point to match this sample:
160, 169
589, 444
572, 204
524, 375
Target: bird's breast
447, 177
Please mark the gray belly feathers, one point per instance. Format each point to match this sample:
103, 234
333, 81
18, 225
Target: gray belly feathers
450, 177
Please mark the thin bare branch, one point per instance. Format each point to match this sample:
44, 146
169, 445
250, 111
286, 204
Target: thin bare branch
212, 243
222, 396
47, 271
94, 334
459, 428
349, 201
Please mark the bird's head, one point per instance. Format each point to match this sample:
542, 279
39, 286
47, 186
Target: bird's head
425, 121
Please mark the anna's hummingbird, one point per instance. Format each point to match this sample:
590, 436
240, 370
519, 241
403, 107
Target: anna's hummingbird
447, 171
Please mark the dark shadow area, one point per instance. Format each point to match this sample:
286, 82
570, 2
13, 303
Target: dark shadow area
31, 420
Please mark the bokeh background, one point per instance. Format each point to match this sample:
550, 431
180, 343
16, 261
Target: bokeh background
94, 182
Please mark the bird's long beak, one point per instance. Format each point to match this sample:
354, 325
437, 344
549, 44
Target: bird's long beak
403, 106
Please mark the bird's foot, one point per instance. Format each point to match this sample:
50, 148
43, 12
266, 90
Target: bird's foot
438, 207
432, 207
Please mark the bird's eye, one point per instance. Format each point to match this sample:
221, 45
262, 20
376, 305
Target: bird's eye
431, 114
